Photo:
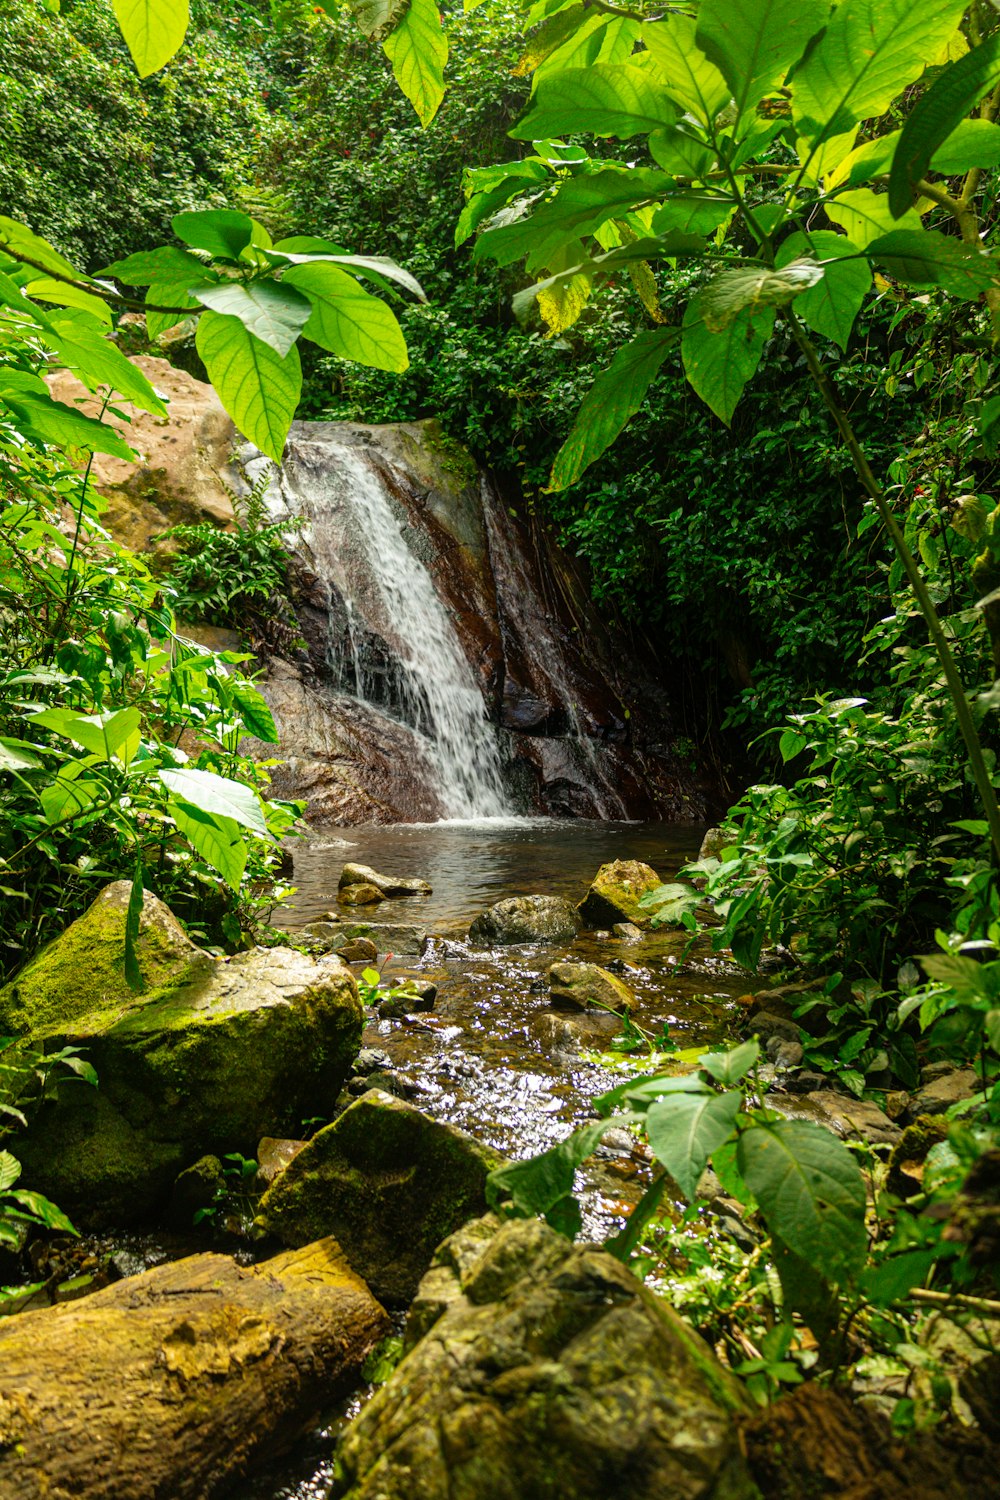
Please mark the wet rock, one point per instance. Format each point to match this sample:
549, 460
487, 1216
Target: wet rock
389, 1183
208, 1058
576, 986
273, 1156
385, 1080
361, 894
628, 932
328, 936
766, 1025
947, 1088
537, 1368
358, 951
713, 843
389, 885
370, 1059
784, 1054
846, 1116
526, 919
197, 1187
615, 893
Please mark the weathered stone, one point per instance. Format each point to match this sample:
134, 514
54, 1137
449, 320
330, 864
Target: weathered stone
615, 892
628, 932
389, 1083
784, 1054
526, 919
198, 1186
330, 934
389, 1183
906, 1164
273, 1156
358, 951
948, 1088
213, 1055
713, 843
767, 1025
576, 986
846, 1116
361, 894
389, 885
370, 1060
537, 1369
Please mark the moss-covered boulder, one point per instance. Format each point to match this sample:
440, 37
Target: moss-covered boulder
526, 919
389, 1183
209, 1057
576, 986
615, 893
537, 1369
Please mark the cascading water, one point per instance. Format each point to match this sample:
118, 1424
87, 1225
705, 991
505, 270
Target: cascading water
393, 645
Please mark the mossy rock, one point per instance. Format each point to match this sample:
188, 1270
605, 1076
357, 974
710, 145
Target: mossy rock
389, 1183
576, 986
615, 893
387, 885
526, 919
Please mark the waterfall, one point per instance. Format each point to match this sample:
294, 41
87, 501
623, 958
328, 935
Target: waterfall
392, 644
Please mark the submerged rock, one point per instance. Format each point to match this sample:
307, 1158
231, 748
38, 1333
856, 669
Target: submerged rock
615, 892
575, 986
537, 1368
628, 932
526, 919
389, 1183
388, 885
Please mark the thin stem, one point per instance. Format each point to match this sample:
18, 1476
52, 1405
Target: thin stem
117, 298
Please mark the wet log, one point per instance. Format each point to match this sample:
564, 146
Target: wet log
169, 1385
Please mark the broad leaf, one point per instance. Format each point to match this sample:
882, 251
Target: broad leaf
718, 365
48, 421
729, 1067
831, 306
810, 1191
377, 268
754, 42
973, 143
347, 320
10, 1170
69, 794
112, 737
925, 257
272, 312
676, 151
18, 755
258, 388
615, 396
418, 50
603, 100
166, 263
153, 30
254, 711
48, 290
688, 76
216, 838
221, 231
543, 1184
19, 240
754, 287
86, 352
692, 214
175, 294
216, 794
41, 1209
936, 114
806, 1291
580, 206
866, 216
684, 1130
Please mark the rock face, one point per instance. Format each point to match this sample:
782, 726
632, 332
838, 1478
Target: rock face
539, 1369
575, 986
615, 892
389, 1183
386, 885
208, 1058
526, 919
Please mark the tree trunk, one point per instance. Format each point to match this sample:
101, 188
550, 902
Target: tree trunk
168, 1385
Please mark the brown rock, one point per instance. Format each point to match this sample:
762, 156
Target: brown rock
358, 951
359, 895
577, 986
273, 1156
615, 893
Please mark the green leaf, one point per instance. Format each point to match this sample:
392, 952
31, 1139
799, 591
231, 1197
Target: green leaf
831, 306
153, 30
18, 755
133, 918
753, 287
692, 214
10, 1170
48, 421
968, 978
69, 794
639, 1091
418, 50
347, 320
375, 17
19, 240
112, 736
893, 1278
676, 151
753, 43
806, 1291
48, 290
688, 76
377, 268
216, 794
216, 838
42, 1210
256, 716
542, 1184
810, 1191
936, 114
603, 100
170, 294
221, 231
684, 1130
258, 388
973, 143
165, 263
615, 396
580, 207
729, 1067
865, 216
718, 365
272, 312
926, 257
123, 735
86, 352
867, 55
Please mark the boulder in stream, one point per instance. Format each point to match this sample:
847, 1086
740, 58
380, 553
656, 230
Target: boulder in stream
389, 1182
361, 894
575, 986
614, 894
526, 919
537, 1368
387, 885
334, 931
208, 1057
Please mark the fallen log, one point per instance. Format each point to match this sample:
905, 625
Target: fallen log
169, 1385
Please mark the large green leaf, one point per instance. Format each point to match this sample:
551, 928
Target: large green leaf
868, 54
47, 289
688, 77
20, 241
376, 268
418, 50
694, 214
580, 206
544, 1184
258, 388
865, 216
719, 365
175, 294
925, 257
680, 153
729, 1067
165, 263
752, 288
10, 1170
810, 1191
153, 30
606, 99
684, 1130
85, 351
831, 306
272, 312
938, 111
216, 794
348, 321
221, 231
42, 1210
18, 755
753, 43
615, 396
216, 838
254, 711
115, 736
973, 143
48, 421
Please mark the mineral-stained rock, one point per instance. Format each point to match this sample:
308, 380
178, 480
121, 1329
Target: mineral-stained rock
388, 885
615, 892
537, 1369
575, 986
389, 1182
209, 1057
526, 919
361, 894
